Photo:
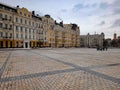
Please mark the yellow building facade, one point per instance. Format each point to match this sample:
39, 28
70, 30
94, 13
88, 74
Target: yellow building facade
20, 28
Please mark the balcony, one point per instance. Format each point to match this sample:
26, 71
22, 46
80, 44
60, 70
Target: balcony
4, 19
1, 19
5, 28
6, 37
10, 28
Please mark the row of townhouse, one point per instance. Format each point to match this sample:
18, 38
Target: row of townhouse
22, 28
92, 40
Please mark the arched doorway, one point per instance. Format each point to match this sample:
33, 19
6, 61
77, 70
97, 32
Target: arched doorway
1, 44
10, 44
6, 44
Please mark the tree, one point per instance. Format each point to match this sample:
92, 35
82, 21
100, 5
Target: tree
119, 42
114, 43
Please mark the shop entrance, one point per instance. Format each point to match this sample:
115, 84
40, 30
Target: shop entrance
26, 44
1, 44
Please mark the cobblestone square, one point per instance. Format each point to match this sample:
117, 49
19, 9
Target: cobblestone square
59, 69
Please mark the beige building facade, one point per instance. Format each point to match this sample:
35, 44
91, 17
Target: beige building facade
92, 40
24, 29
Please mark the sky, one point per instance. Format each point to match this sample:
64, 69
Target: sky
92, 16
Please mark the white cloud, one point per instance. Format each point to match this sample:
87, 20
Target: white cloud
86, 13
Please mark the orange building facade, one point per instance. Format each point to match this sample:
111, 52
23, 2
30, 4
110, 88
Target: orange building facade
20, 28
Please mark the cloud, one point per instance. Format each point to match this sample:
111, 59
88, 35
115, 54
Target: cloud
116, 3
81, 6
116, 11
85, 9
63, 10
116, 23
104, 5
114, 7
94, 5
102, 23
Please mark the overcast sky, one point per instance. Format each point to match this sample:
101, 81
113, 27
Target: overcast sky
91, 15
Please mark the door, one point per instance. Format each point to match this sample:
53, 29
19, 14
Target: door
6, 44
26, 45
30, 44
11, 44
1, 44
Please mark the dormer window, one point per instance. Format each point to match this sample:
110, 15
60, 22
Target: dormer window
20, 13
28, 15
1, 6
24, 14
6, 17
7, 9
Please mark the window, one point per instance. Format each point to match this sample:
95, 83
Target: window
29, 30
29, 22
16, 28
0, 16
24, 14
28, 15
10, 27
6, 34
6, 17
7, 9
16, 35
13, 10
0, 25
25, 30
20, 13
21, 28
25, 21
1, 34
52, 27
36, 24
29, 36
10, 35
25, 36
21, 20
21, 35
16, 19
10, 18
1, 6
36, 31
6, 26
33, 23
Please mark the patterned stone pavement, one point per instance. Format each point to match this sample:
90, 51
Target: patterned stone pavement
59, 69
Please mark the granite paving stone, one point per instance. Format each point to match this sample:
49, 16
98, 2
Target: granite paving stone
59, 69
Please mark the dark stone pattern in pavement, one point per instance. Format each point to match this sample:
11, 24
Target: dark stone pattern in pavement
103, 66
4, 65
74, 77
115, 80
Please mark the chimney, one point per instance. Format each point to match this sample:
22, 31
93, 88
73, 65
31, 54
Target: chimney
17, 6
33, 12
